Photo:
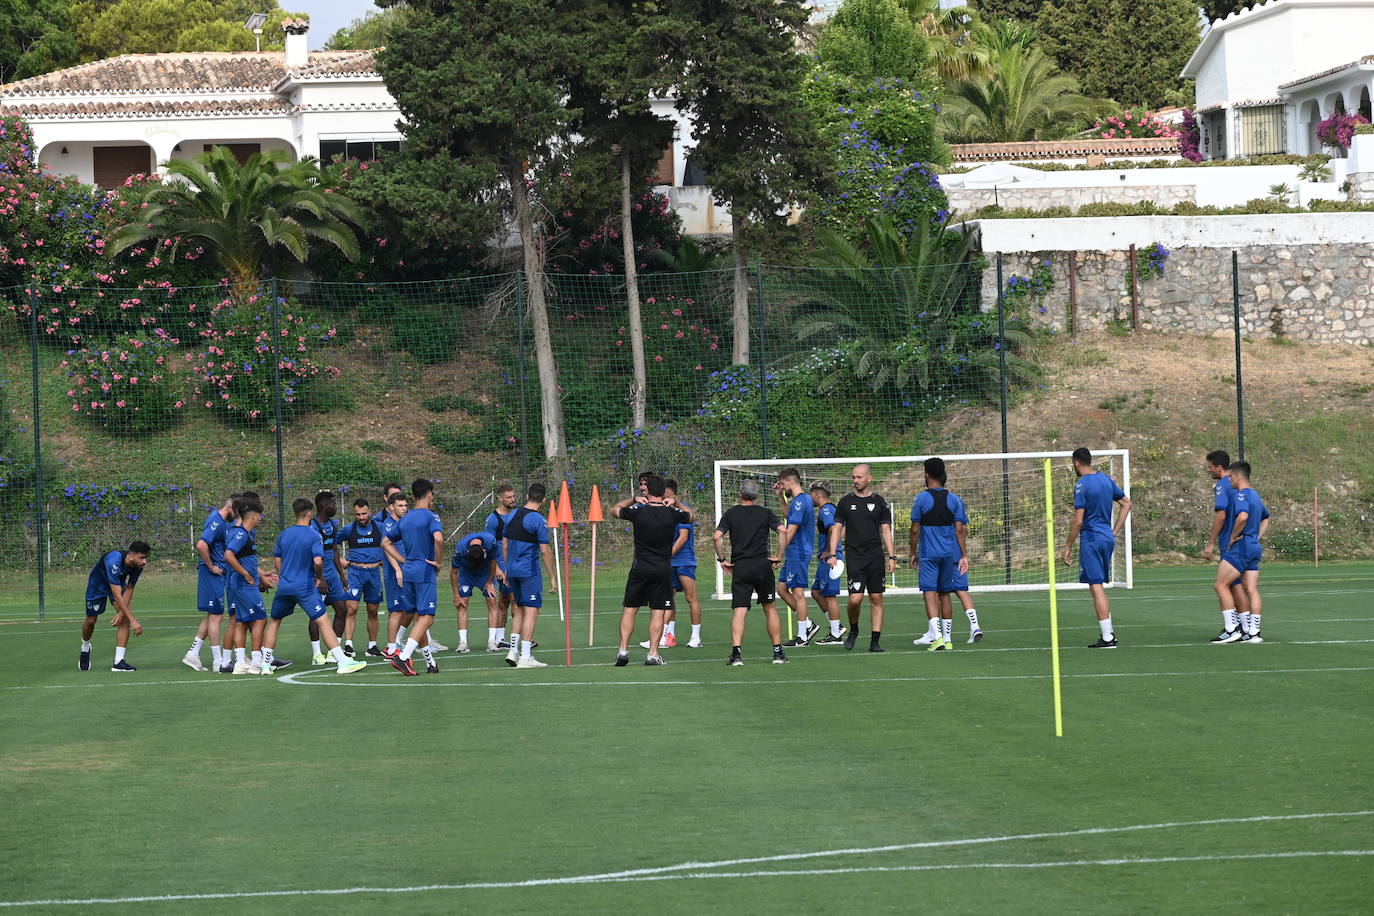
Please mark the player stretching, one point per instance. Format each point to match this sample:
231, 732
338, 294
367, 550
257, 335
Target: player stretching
826, 587
864, 521
939, 549
473, 568
362, 561
422, 543
113, 578
1243, 553
498, 607
750, 567
337, 594
526, 543
1093, 497
1223, 521
299, 560
210, 586
650, 583
246, 585
797, 542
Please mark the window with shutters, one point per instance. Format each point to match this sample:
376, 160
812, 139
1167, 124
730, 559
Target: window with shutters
664, 173
113, 164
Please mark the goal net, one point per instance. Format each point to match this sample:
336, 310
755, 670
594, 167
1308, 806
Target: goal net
1004, 496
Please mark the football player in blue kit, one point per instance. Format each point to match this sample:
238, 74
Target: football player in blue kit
421, 545
362, 561
525, 546
939, 550
498, 607
113, 578
246, 586
826, 587
1244, 551
473, 569
337, 593
1223, 521
210, 585
1094, 495
798, 536
684, 561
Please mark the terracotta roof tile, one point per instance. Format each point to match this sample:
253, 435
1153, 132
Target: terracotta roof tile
1064, 149
136, 109
210, 72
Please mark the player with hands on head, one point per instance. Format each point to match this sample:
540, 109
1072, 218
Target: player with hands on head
655, 522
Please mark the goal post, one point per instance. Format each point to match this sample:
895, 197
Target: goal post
1004, 495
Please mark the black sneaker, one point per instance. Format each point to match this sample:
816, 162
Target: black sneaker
849, 638
811, 634
375, 651
1225, 637
84, 662
503, 644
227, 668
779, 657
651, 660
431, 668
122, 665
350, 651
1104, 644
829, 640
280, 663
874, 647
404, 666
622, 659
735, 661
794, 642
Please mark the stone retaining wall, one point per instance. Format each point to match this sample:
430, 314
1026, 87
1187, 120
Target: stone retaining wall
1042, 198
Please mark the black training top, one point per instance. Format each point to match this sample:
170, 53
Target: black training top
863, 517
655, 527
748, 527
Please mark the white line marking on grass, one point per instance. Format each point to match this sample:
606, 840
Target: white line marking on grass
696, 870
122, 683
316, 679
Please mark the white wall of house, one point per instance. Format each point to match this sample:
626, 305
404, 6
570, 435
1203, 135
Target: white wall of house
1115, 234
1350, 90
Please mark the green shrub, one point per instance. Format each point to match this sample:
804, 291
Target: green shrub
351, 468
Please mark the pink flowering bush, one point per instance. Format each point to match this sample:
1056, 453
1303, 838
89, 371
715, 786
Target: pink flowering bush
1338, 128
127, 387
1132, 123
681, 350
1190, 138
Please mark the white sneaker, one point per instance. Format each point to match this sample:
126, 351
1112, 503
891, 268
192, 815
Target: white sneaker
491, 646
266, 669
529, 661
255, 669
924, 640
975, 636
644, 644
241, 668
463, 648
192, 661
513, 658
436, 646
694, 644
320, 660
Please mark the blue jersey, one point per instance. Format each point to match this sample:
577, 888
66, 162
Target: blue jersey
297, 546
687, 556
364, 542
1225, 502
1094, 494
460, 551
825, 520
417, 532
801, 511
391, 529
522, 543
109, 570
243, 543
496, 524
213, 533
329, 536
936, 510
1249, 502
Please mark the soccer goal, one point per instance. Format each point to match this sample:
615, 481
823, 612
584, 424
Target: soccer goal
1004, 496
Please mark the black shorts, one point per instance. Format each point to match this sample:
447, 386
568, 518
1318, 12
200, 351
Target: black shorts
865, 573
749, 578
647, 588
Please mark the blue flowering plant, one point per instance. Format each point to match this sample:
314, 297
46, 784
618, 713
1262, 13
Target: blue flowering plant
1150, 261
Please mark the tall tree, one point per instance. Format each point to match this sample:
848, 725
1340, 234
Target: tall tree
370, 31
485, 83
1120, 49
950, 32
35, 38
1027, 99
1024, 11
105, 29
757, 146
867, 39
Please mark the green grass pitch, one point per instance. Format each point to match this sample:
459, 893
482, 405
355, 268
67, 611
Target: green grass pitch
1191, 778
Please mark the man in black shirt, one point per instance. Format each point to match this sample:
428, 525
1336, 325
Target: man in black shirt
654, 520
864, 520
750, 566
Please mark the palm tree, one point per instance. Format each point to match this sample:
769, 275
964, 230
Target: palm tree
951, 45
1027, 98
249, 216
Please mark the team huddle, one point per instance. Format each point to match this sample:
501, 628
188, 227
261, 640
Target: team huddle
392, 559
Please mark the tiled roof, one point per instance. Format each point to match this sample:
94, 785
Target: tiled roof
136, 109
210, 72
1367, 59
1064, 149
1256, 103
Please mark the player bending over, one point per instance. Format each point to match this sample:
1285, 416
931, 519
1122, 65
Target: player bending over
864, 522
1223, 521
362, 561
750, 567
1094, 494
826, 587
1244, 551
422, 543
939, 549
210, 585
298, 557
650, 583
113, 578
525, 546
797, 537
473, 569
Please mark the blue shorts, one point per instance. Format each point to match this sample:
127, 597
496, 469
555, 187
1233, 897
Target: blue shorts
337, 593
793, 573
1244, 557
395, 594
528, 590
1221, 552
307, 596
209, 591
365, 584
683, 572
469, 582
422, 595
824, 586
246, 603
941, 574
1095, 560
95, 606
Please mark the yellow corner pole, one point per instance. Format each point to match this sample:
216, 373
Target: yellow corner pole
1054, 602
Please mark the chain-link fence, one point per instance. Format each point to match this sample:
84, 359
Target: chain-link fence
131, 413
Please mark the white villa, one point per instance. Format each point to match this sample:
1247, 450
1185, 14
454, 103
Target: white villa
1267, 75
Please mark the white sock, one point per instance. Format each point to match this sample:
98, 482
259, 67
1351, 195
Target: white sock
218, 654
670, 628
696, 631
267, 657
195, 646
119, 654
372, 643
1230, 620
314, 647
491, 634
428, 653
1244, 621
349, 643
947, 627
462, 636
514, 643
1254, 624
1106, 626
257, 658
240, 657
337, 653
500, 633
401, 636
835, 628
972, 615
85, 645
409, 650
391, 647
524, 648
933, 627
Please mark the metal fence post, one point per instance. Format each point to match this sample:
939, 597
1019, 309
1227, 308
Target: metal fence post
1240, 378
276, 407
1002, 409
39, 498
759, 322
1135, 294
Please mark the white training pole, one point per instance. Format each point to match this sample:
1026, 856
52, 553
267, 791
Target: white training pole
591, 611
558, 577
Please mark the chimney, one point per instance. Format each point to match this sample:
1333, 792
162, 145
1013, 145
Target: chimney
297, 42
